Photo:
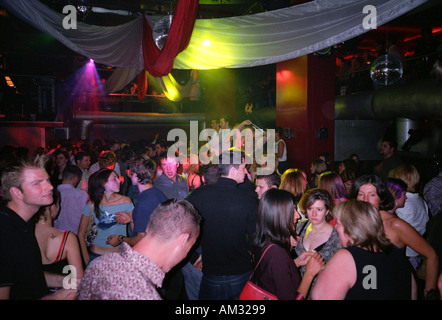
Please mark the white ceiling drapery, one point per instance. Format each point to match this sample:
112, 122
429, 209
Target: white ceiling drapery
236, 42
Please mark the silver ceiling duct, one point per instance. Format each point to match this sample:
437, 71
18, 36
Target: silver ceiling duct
413, 100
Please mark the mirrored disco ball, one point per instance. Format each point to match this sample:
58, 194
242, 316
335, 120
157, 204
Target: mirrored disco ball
161, 30
386, 70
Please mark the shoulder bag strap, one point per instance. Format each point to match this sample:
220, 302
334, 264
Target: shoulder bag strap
91, 212
262, 256
90, 217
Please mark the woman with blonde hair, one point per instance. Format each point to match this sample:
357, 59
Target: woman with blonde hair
368, 267
415, 210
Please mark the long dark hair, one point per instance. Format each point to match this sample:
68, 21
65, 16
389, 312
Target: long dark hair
275, 222
96, 188
387, 200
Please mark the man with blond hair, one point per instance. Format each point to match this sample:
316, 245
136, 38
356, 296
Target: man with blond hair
26, 188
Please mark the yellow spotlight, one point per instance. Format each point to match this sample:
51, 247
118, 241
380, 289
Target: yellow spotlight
206, 43
171, 92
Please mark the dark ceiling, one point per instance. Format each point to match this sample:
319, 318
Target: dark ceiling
208, 9
25, 50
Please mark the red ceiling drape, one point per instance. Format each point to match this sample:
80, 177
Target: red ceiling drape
160, 62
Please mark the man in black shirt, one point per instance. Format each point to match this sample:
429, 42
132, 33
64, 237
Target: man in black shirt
26, 188
391, 159
229, 222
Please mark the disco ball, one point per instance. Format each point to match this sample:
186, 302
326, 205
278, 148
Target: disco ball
161, 30
386, 70
82, 9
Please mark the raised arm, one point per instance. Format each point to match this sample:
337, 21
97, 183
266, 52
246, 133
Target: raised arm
411, 238
314, 265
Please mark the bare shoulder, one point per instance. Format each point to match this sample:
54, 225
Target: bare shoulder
120, 199
338, 276
72, 239
398, 224
343, 255
55, 233
342, 265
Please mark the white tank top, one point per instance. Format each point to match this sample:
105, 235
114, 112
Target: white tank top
284, 153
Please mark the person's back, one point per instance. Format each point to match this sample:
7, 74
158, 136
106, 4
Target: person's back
380, 275
72, 201
277, 273
148, 200
58, 248
103, 273
72, 205
224, 243
229, 225
415, 212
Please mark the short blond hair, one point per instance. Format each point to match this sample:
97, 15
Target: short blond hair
409, 174
12, 176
